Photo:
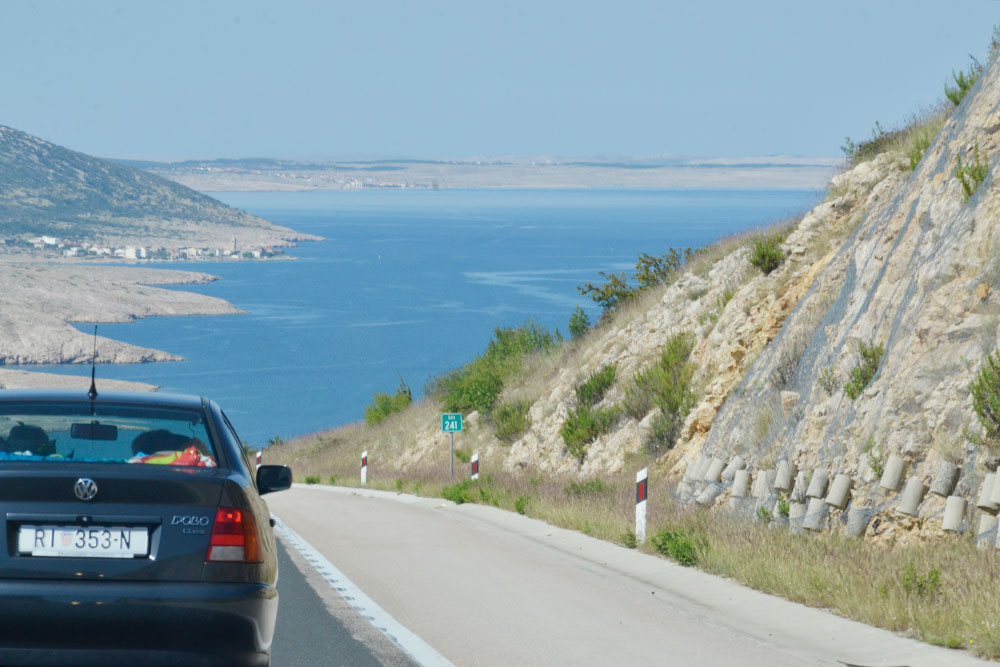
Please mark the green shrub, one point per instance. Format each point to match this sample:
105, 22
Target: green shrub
521, 504
594, 486
591, 391
511, 419
766, 254
763, 514
331, 480
667, 385
629, 539
920, 584
676, 545
458, 493
312, 479
384, 405
874, 454
463, 455
985, 390
783, 506
649, 272
972, 174
615, 291
964, 81
579, 323
477, 385
583, 425
881, 140
862, 374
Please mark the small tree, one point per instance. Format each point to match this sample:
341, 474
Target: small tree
612, 293
766, 254
649, 272
579, 323
985, 391
964, 81
972, 173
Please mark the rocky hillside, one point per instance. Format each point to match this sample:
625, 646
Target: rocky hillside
897, 262
46, 189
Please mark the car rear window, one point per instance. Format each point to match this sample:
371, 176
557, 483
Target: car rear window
105, 433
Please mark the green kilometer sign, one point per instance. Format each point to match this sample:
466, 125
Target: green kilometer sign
451, 423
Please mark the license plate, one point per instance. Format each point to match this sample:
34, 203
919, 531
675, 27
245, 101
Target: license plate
83, 541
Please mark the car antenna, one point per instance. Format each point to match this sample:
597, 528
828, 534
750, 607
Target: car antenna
93, 369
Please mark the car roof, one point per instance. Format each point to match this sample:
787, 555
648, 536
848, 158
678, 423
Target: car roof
75, 396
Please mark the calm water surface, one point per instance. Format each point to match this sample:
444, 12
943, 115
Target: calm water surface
408, 285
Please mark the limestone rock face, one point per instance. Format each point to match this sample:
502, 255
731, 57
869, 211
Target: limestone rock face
916, 277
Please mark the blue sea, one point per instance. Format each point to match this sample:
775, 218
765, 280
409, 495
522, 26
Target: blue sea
409, 284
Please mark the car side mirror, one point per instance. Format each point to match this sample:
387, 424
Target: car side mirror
273, 478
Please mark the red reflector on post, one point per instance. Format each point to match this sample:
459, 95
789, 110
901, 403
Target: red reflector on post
234, 537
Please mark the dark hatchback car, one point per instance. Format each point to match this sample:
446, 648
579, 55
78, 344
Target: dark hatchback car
133, 533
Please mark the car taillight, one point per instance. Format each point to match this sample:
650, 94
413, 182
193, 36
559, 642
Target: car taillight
234, 537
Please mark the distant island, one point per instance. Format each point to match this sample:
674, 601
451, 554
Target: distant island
265, 174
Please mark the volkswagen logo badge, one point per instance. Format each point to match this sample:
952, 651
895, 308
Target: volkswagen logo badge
85, 489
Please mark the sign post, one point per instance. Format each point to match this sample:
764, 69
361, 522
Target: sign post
364, 468
641, 491
475, 466
451, 423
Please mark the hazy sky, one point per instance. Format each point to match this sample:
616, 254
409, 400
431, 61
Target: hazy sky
179, 79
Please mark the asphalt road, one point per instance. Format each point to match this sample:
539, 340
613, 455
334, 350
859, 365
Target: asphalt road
316, 627
486, 587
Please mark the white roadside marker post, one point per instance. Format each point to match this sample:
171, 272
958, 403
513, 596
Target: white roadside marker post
364, 468
475, 466
641, 491
259, 455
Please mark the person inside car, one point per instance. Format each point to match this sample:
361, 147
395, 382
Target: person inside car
29, 438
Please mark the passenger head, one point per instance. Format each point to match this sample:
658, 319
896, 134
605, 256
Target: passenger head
28, 437
160, 440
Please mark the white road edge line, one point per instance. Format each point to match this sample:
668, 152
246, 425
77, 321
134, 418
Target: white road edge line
409, 642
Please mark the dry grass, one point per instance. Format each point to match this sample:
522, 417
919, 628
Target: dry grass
337, 452
945, 592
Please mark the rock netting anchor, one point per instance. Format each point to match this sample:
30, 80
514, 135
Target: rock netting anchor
892, 476
912, 496
946, 479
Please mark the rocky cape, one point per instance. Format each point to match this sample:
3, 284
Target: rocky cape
40, 301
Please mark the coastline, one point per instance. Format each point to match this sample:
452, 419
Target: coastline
42, 300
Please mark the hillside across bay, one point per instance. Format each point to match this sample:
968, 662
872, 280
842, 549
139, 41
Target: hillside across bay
51, 191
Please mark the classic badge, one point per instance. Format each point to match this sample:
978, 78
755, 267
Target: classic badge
85, 489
